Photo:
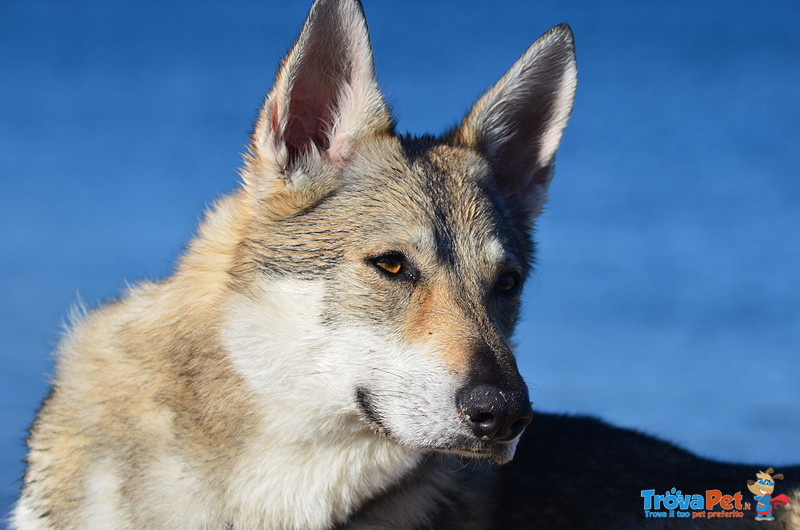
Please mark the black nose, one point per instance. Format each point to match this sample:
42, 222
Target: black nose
493, 414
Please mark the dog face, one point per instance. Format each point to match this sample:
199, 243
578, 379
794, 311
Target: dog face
383, 271
761, 487
765, 483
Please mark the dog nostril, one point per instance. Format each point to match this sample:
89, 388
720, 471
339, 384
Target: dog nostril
518, 426
493, 414
483, 424
482, 417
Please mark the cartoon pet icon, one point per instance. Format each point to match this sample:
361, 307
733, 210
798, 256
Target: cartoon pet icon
762, 490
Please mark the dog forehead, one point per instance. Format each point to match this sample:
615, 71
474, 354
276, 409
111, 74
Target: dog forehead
448, 182
432, 196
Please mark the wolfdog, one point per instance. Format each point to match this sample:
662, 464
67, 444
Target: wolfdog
333, 348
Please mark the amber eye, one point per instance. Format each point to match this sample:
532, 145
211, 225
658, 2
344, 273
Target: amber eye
395, 267
391, 264
508, 282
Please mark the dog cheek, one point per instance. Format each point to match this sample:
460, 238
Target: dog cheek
362, 296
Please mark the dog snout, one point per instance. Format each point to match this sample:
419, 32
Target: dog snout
494, 414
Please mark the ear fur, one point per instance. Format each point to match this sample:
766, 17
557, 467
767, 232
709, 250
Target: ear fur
519, 122
324, 101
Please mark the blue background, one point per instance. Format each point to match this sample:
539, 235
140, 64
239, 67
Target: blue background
668, 286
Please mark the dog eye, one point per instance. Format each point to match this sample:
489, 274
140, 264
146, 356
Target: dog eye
391, 264
395, 267
508, 282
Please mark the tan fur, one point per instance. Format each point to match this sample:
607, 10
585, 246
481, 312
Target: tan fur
119, 399
437, 318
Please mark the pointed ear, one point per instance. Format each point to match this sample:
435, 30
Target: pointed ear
325, 99
518, 123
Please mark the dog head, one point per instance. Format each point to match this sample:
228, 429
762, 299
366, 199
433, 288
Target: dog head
765, 483
381, 274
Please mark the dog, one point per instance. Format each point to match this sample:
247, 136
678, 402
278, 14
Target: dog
332, 350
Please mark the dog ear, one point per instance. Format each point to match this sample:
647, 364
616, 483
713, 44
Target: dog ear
778, 476
518, 123
751, 482
325, 99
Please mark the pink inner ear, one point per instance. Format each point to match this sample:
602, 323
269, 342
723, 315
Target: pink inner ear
314, 89
324, 85
309, 114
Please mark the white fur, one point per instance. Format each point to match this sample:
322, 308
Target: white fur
102, 506
562, 107
24, 516
317, 459
494, 251
177, 496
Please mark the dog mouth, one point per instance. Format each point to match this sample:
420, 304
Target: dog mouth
460, 445
498, 453
372, 418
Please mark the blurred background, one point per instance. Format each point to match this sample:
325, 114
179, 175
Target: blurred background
667, 293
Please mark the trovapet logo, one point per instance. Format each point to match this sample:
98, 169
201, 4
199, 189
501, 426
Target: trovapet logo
712, 503
715, 504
